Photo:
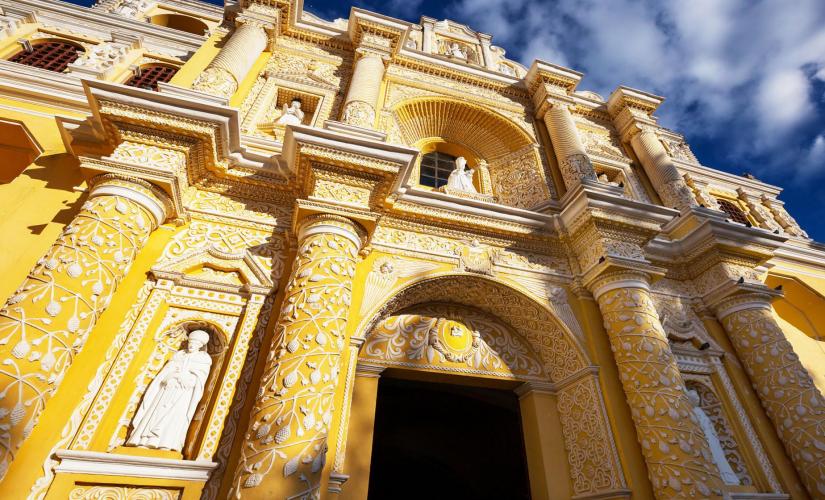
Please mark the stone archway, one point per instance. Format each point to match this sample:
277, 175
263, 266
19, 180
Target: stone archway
593, 461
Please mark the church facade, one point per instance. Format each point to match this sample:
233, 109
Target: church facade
251, 253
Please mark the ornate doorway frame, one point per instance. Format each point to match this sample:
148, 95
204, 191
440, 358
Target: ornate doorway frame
569, 390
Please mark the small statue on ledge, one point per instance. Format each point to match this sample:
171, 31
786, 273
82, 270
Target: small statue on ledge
292, 114
461, 179
164, 415
455, 50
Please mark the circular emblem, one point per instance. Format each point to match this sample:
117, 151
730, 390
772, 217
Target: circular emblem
453, 340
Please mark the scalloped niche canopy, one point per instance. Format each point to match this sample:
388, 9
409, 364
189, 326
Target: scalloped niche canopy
516, 170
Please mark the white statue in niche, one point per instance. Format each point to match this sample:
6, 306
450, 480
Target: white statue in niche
716, 450
461, 178
292, 114
455, 50
164, 415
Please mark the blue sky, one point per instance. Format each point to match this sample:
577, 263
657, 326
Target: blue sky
744, 80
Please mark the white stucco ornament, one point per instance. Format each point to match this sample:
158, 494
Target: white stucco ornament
461, 178
169, 404
716, 450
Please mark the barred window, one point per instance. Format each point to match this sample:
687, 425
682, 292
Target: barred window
436, 168
734, 212
150, 75
53, 55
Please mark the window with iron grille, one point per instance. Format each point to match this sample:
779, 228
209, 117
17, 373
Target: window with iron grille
734, 212
53, 56
149, 76
436, 168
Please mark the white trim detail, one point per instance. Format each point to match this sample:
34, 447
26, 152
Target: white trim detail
151, 204
112, 464
753, 304
319, 228
626, 283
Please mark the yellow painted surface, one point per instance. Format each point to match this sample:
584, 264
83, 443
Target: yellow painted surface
38, 203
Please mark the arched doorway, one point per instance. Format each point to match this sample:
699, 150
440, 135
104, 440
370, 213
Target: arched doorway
482, 331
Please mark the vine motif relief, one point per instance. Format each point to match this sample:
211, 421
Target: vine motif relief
294, 407
45, 323
785, 388
678, 458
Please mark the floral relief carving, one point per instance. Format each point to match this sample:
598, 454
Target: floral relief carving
678, 458
122, 493
453, 339
590, 449
45, 323
148, 154
785, 388
294, 408
517, 180
360, 114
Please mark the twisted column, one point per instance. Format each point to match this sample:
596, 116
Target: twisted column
784, 386
225, 73
571, 155
362, 96
676, 452
285, 447
48, 319
660, 169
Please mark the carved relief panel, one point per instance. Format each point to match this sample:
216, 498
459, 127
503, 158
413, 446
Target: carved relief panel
452, 339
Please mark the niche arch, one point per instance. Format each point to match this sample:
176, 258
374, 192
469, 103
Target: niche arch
510, 153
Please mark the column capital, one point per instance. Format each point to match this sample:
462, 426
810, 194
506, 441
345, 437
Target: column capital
551, 85
369, 370
330, 223
632, 111
268, 23
618, 278
145, 194
741, 302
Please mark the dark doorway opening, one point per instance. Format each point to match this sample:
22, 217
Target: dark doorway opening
443, 441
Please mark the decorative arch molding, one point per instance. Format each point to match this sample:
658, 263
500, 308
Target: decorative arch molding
562, 354
482, 130
501, 147
595, 468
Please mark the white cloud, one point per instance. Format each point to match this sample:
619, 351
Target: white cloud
735, 71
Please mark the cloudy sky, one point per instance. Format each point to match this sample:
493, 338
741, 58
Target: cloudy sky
744, 80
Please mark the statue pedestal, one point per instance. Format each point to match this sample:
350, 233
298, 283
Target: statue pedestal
464, 194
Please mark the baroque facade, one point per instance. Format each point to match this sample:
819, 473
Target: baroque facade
231, 224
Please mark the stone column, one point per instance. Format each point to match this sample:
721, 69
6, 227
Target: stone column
660, 169
632, 111
48, 319
551, 87
285, 447
678, 459
571, 155
362, 96
225, 73
784, 386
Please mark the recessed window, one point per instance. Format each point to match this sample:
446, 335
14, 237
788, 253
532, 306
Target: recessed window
436, 168
53, 56
734, 212
148, 77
